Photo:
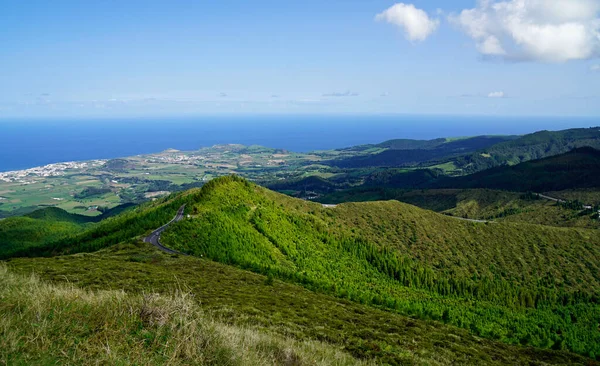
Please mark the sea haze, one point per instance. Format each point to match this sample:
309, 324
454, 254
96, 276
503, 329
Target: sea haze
30, 143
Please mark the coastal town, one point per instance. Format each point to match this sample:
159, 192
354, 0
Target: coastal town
78, 185
50, 170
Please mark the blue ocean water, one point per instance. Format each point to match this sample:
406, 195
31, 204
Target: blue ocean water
29, 143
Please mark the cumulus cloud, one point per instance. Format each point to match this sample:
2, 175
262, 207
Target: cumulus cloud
496, 94
415, 22
534, 30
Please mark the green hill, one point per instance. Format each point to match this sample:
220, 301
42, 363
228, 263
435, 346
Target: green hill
308, 184
486, 204
39, 231
129, 223
57, 214
579, 168
243, 301
475, 154
18, 234
459, 157
401, 153
68, 325
409, 260
533, 146
512, 283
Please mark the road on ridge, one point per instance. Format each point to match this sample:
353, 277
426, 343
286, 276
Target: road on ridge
154, 238
550, 198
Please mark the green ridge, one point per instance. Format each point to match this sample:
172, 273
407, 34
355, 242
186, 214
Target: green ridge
244, 299
512, 282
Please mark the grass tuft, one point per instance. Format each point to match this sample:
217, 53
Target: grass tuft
42, 323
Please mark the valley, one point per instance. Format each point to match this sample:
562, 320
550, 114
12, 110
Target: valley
379, 264
300, 183
90, 188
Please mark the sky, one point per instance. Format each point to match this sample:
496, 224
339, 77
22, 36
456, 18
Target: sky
152, 58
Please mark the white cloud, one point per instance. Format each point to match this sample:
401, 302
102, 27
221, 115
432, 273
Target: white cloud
497, 94
347, 93
415, 22
534, 30
595, 68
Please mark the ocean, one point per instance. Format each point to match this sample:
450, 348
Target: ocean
29, 143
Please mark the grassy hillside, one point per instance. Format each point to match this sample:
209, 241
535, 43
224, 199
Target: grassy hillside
57, 214
242, 299
533, 146
413, 164
474, 154
579, 168
18, 234
401, 153
431, 199
518, 207
61, 238
485, 204
304, 186
48, 324
503, 281
576, 169
514, 283
589, 196
38, 232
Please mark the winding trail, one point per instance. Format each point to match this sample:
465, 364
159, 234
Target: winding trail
154, 237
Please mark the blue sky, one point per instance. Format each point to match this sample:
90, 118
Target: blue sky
137, 58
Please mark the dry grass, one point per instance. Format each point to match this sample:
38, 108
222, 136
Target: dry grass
61, 324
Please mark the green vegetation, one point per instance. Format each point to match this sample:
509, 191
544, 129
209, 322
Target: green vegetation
438, 200
589, 196
243, 299
113, 230
509, 282
579, 168
402, 153
516, 283
18, 234
119, 165
533, 146
485, 204
91, 192
48, 324
37, 232
366, 277
81, 187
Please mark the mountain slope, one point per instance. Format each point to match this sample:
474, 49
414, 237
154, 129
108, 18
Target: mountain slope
410, 260
19, 234
486, 204
65, 237
266, 215
246, 300
57, 214
579, 168
515, 283
401, 153
75, 326
533, 146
